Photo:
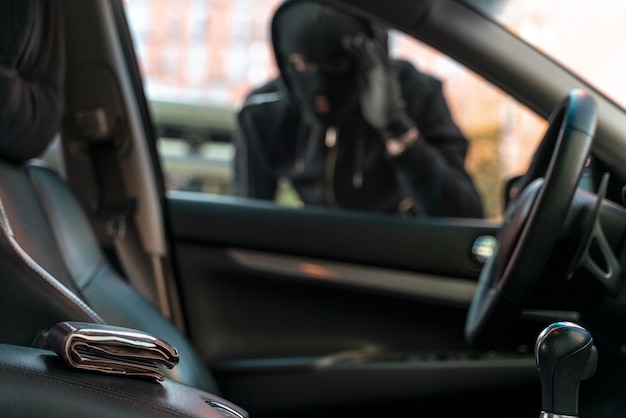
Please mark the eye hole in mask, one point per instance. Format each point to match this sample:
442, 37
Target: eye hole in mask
304, 65
301, 64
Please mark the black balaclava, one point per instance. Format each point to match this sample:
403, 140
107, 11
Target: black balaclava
322, 76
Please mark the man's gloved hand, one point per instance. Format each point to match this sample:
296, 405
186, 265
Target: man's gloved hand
381, 99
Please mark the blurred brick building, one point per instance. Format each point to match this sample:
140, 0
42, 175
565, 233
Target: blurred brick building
207, 51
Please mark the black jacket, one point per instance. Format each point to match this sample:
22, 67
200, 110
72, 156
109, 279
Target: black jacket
274, 140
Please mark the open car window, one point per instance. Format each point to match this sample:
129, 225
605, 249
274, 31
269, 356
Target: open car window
200, 61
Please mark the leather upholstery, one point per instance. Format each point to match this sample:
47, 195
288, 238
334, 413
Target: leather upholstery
98, 282
51, 266
35, 383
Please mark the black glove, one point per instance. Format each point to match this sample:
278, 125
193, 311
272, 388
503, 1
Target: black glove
381, 99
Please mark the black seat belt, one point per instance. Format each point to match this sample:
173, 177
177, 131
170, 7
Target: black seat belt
112, 205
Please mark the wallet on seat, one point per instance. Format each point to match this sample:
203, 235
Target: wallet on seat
111, 349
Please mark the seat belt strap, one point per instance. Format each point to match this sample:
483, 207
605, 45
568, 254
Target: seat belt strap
113, 205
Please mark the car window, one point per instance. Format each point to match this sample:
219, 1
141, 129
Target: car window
200, 59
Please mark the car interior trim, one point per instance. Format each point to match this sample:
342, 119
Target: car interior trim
433, 288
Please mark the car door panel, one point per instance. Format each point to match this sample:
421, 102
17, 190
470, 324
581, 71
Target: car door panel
411, 244
274, 314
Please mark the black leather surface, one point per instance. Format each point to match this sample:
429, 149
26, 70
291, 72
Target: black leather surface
31, 298
37, 383
73, 235
43, 230
96, 280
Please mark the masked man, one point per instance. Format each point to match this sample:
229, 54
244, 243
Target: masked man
348, 126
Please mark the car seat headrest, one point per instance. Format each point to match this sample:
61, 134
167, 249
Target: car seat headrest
32, 69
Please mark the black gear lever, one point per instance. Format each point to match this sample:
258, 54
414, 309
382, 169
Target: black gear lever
565, 355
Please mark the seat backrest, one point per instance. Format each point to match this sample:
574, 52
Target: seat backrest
51, 265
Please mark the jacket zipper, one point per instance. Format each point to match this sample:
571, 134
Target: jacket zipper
329, 170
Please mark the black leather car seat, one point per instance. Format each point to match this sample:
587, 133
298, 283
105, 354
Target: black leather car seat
51, 266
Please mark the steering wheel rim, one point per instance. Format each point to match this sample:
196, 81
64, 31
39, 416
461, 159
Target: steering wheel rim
533, 220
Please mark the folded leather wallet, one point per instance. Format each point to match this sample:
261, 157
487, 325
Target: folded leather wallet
110, 349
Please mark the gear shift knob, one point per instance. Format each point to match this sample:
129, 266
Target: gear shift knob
565, 355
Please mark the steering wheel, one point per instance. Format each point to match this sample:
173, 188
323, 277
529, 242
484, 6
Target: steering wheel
533, 221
